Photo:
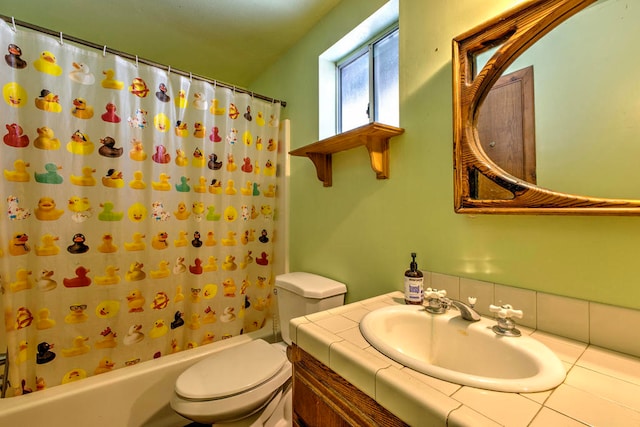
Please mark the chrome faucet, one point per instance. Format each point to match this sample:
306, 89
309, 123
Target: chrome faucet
438, 303
466, 311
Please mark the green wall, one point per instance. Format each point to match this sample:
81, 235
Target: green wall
362, 230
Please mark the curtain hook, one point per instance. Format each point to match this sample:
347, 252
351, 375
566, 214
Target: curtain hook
61, 39
168, 69
190, 76
215, 83
136, 61
13, 24
104, 51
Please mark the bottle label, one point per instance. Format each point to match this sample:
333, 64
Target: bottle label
413, 289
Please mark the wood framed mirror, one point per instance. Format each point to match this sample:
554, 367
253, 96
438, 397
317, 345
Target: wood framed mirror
504, 141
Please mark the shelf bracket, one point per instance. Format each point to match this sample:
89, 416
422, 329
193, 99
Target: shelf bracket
378, 149
322, 162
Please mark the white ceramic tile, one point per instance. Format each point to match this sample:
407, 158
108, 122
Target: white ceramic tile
607, 329
520, 299
547, 417
524, 328
567, 317
316, 341
427, 278
467, 417
610, 388
618, 365
591, 409
538, 397
293, 327
440, 385
314, 317
379, 355
344, 308
566, 349
412, 401
354, 336
336, 324
383, 301
509, 409
451, 284
482, 291
356, 366
354, 313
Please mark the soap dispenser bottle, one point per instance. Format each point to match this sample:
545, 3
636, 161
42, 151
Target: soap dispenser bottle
413, 283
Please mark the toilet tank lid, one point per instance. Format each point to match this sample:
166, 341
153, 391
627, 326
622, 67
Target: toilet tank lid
310, 285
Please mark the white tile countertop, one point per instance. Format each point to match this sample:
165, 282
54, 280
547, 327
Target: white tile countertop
602, 387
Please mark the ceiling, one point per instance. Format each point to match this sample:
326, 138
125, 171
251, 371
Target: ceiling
228, 40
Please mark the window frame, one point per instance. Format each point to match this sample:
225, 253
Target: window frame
364, 49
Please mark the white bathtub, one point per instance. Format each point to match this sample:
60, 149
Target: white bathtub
127, 397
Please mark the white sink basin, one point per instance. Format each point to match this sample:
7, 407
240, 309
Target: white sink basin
468, 353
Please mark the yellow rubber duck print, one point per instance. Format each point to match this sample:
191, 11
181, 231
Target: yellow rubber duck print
80, 144
46, 63
19, 172
109, 81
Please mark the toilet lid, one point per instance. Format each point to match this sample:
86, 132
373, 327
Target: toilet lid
230, 371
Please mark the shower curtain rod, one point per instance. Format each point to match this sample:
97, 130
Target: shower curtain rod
13, 22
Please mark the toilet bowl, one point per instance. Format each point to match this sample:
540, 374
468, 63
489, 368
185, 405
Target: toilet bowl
250, 384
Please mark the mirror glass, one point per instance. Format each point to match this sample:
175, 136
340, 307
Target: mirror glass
547, 110
586, 104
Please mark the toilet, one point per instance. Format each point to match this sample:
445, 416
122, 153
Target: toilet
250, 384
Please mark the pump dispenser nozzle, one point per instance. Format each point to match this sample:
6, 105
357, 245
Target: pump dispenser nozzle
414, 265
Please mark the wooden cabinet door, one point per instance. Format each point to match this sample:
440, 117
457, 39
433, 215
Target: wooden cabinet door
506, 128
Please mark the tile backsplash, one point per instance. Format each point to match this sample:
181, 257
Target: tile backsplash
607, 326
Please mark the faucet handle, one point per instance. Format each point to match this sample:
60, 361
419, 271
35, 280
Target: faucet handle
506, 326
472, 301
505, 311
434, 293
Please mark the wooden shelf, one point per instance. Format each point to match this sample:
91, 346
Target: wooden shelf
374, 136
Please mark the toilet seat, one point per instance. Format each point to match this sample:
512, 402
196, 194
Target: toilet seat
231, 384
231, 371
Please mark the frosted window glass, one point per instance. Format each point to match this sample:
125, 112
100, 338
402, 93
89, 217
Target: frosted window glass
385, 77
354, 93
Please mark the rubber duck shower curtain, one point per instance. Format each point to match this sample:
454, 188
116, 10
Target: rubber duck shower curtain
139, 215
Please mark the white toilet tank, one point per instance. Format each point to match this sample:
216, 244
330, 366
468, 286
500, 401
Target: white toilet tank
301, 293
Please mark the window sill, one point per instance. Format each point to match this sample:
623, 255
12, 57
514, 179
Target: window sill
374, 136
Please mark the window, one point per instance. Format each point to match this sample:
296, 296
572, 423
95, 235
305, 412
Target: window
368, 83
383, 22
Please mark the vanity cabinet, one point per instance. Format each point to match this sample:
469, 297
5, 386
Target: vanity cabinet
323, 398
